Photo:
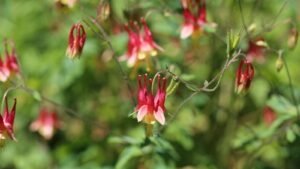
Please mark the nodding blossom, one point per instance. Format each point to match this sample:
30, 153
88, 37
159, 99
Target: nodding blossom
77, 39
7, 121
46, 123
151, 108
193, 22
141, 45
8, 66
256, 50
244, 76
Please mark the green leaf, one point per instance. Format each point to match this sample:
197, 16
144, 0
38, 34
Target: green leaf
290, 135
127, 155
283, 106
123, 140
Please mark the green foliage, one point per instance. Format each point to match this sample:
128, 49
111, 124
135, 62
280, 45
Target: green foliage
210, 130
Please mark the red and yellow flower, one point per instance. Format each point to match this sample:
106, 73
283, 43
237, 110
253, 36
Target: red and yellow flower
151, 108
9, 66
140, 45
46, 123
193, 23
7, 121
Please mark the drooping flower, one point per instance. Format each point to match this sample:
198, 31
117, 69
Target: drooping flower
256, 50
194, 23
244, 76
140, 44
77, 39
269, 115
4, 71
46, 123
151, 108
9, 66
7, 121
11, 58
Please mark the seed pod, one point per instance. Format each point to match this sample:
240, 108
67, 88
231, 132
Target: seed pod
103, 10
293, 38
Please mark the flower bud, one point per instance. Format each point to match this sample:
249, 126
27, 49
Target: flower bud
77, 38
244, 76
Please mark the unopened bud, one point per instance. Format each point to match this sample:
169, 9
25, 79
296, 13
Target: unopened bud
77, 38
244, 76
293, 38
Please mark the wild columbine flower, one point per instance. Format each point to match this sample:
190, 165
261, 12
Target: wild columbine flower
7, 121
9, 66
77, 38
4, 71
193, 23
256, 50
269, 115
11, 58
151, 108
244, 75
46, 124
140, 44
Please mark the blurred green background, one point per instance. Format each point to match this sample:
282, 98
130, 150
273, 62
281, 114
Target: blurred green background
213, 130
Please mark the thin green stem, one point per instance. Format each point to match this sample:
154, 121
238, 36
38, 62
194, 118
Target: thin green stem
171, 119
278, 14
270, 26
291, 87
6, 93
205, 88
107, 39
243, 19
33, 93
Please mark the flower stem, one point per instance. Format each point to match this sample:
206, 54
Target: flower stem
103, 35
149, 130
291, 87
